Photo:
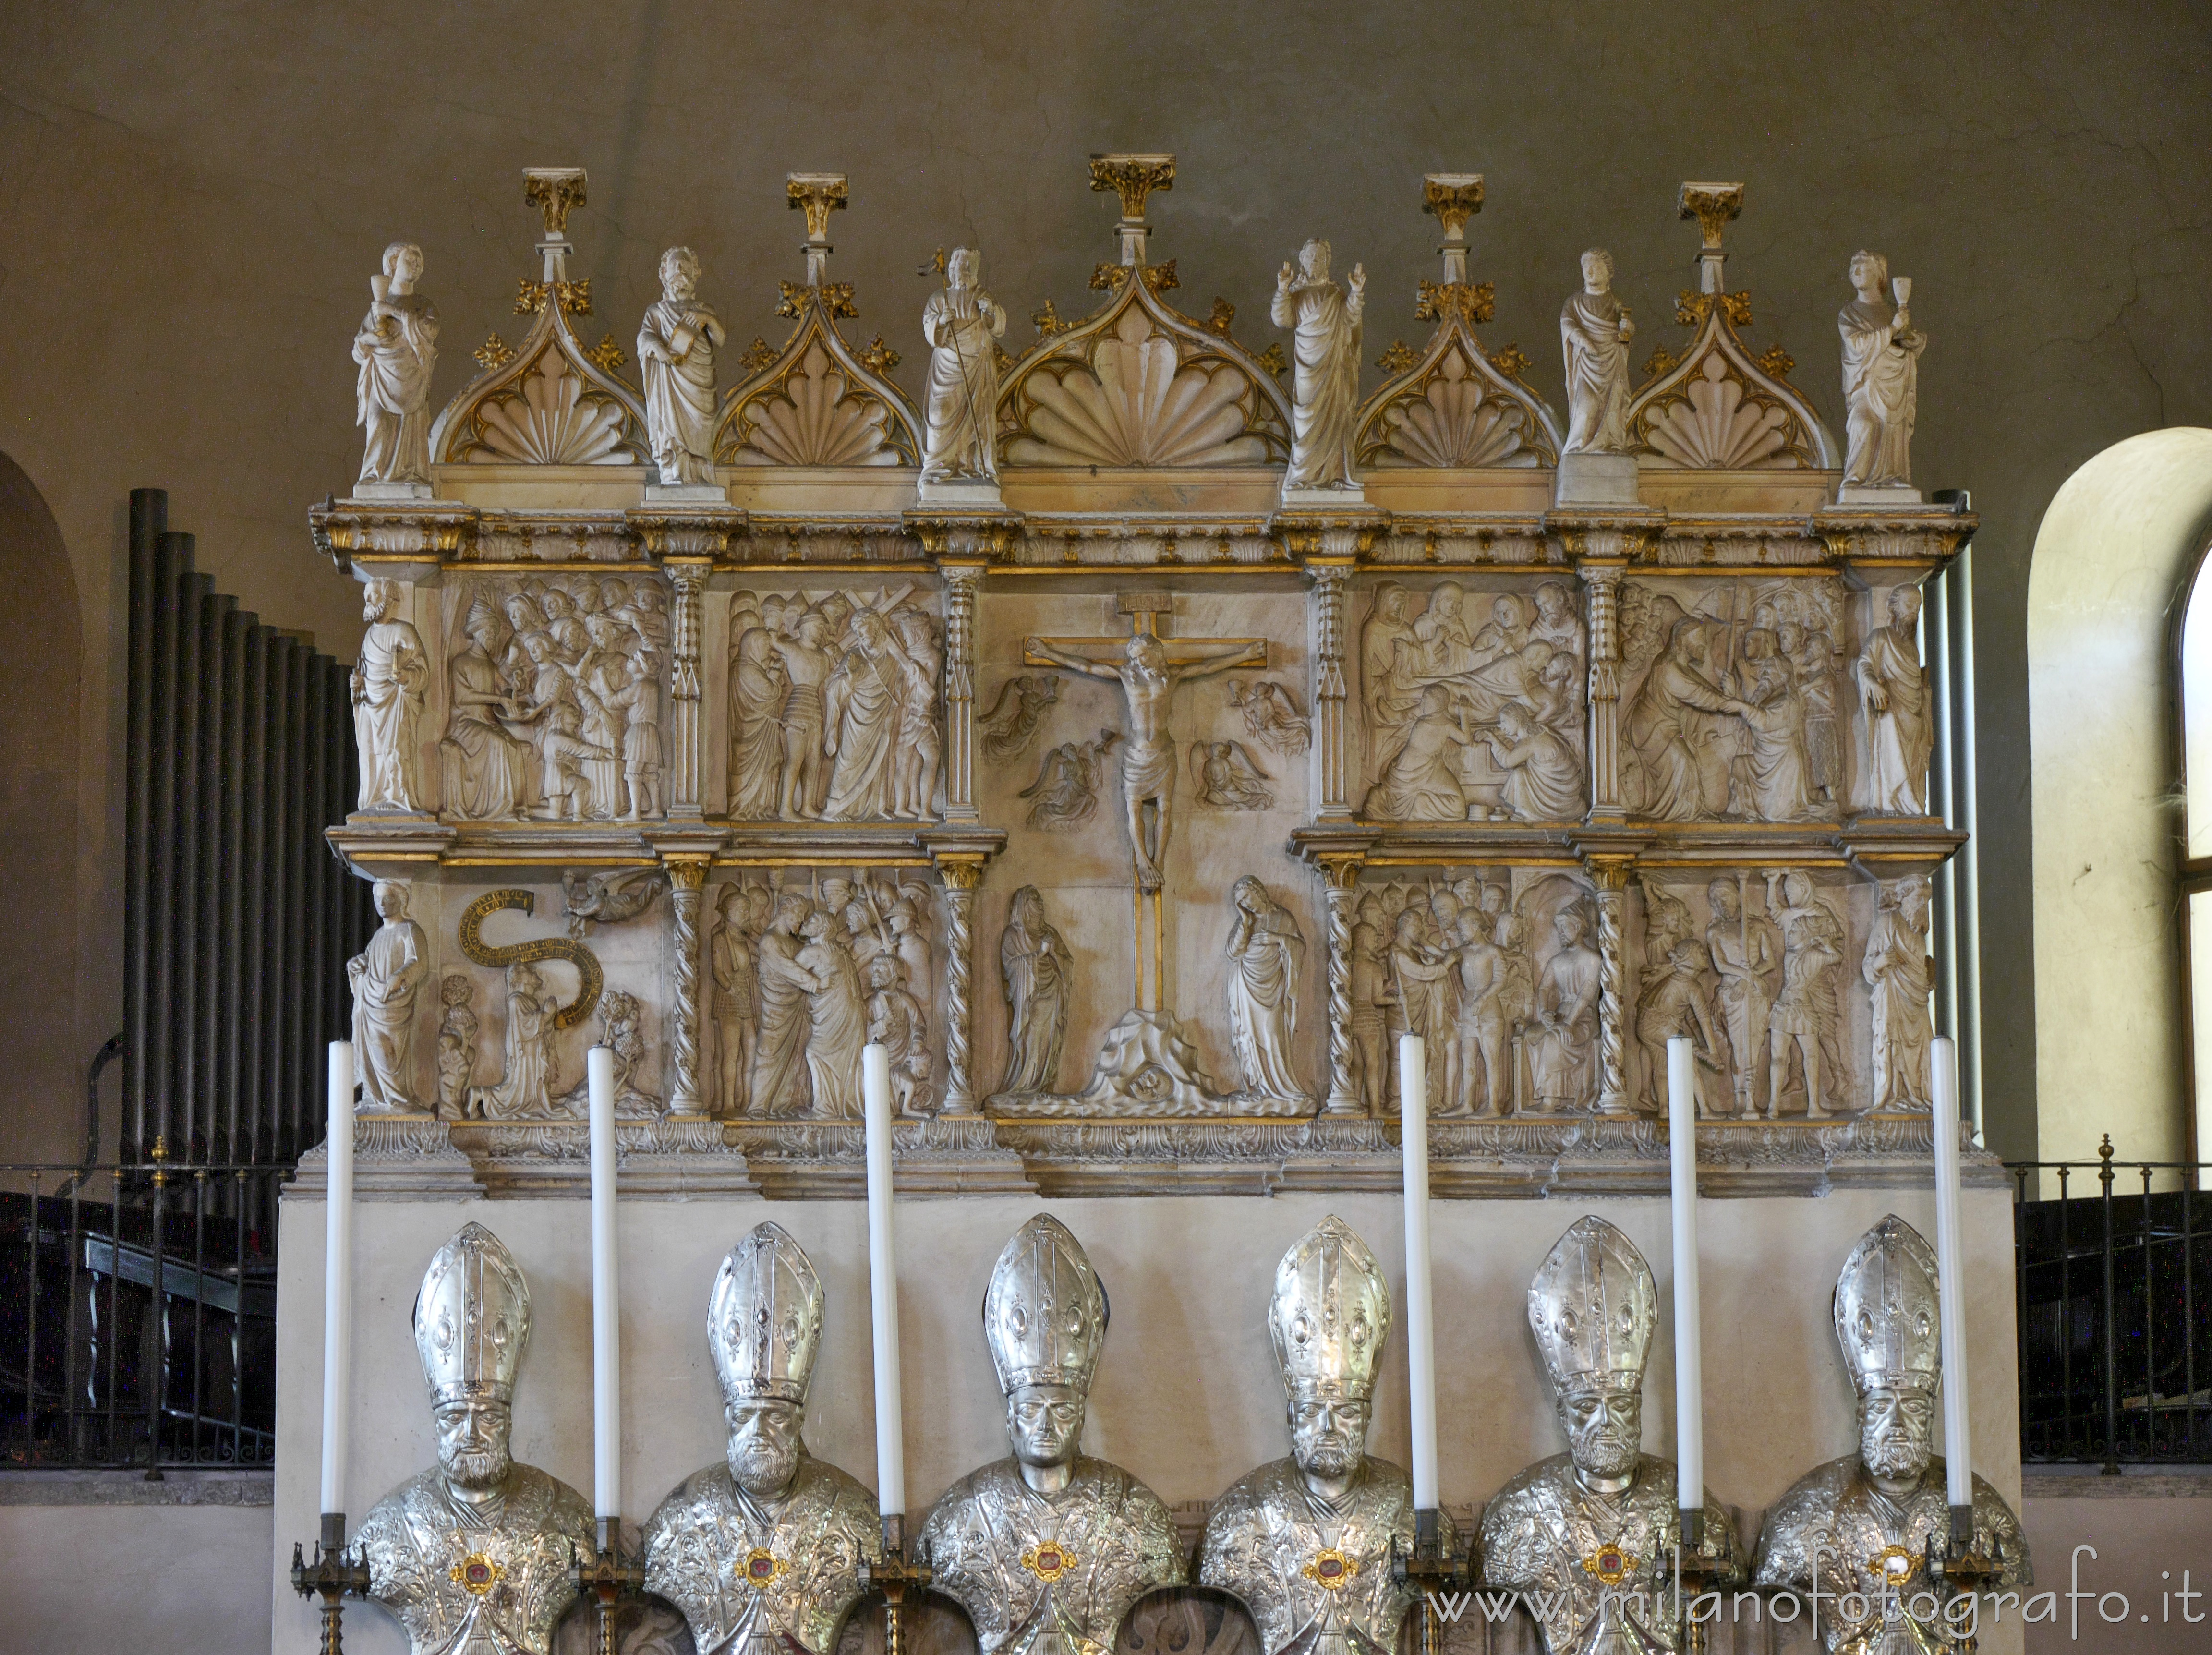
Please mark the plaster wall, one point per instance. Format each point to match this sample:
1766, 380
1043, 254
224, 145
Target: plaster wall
2113, 551
2144, 1536
91, 1579
195, 197
1188, 1397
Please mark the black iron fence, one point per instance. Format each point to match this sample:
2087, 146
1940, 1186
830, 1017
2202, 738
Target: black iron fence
138, 1316
2113, 1265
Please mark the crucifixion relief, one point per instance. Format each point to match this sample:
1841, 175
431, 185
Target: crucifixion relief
1148, 667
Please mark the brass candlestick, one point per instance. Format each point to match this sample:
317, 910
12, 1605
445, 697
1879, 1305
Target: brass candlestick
608, 1578
331, 1578
1695, 1571
895, 1577
1427, 1570
1960, 1571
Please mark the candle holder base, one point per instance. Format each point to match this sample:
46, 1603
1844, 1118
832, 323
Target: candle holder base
1426, 1570
895, 1577
329, 1578
1959, 1571
608, 1577
1696, 1571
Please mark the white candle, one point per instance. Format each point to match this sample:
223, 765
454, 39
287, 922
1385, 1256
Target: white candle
883, 1283
1420, 1326
1958, 1440
338, 1279
606, 1301
1689, 1350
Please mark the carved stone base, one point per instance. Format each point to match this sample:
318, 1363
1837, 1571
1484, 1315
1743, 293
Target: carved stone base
1148, 1067
793, 1160
1323, 500
686, 493
383, 493
969, 494
395, 1158
1596, 480
1855, 494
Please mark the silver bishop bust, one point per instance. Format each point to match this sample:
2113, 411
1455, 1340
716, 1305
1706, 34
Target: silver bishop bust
1047, 1549
1857, 1529
1591, 1534
473, 1557
761, 1551
1305, 1542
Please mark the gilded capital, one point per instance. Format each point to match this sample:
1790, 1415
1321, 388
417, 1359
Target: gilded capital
556, 191
1712, 206
686, 871
960, 870
1452, 198
1132, 177
818, 195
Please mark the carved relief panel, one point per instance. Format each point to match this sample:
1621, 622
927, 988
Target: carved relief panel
554, 698
1729, 695
834, 704
1472, 701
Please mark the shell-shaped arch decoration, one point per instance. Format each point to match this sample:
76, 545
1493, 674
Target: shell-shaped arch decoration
818, 403
550, 403
1715, 409
1456, 408
1139, 384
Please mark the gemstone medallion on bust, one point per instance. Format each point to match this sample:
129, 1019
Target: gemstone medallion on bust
1609, 1565
475, 1574
1048, 1560
1331, 1569
759, 1569
1891, 1564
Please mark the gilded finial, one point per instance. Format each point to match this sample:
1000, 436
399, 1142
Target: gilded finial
556, 191
1451, 198
1712, 206
818, 195
1132, 177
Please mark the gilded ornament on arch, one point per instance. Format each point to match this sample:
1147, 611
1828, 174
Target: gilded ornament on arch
1158, 278
494, 352
1439, 301
529, 296
1397, 358
1132, 177
878, 357
549, 415
1220, 317
1106, 277
1691, 308
758, 356
1274, 361
1662, 361
1047, 320
1003, 359
816, 411
606, 354
476, 1574
836, 298
1775, 362
1512, 362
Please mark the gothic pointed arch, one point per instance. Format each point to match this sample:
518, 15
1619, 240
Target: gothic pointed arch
817, 401
548, 401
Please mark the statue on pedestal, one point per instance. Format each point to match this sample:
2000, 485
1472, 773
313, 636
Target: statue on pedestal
388, 681
1588, 1536
475, 1556
1857, 1529
962, 325
1594, 329
1306, 1542
761, 1550
676, 346
396, 347
1325, 320
1047, 1550
384, 977
1881, 377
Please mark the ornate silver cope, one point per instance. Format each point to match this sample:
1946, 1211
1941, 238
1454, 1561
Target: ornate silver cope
1047, 1549
1306, 1542
762, 1552
475, 1556
1860, 1528
1595, 1529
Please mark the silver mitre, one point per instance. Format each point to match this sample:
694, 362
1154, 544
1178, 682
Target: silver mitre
1593, 1307
471, 1319
1329, 1315
1045, 1312
764, 1318
1886, 1317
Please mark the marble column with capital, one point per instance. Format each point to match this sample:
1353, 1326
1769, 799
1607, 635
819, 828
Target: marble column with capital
1610, 878
687, 728
959, 876
962, 582
1602, 582
1331, 763
1340, 882
686, 875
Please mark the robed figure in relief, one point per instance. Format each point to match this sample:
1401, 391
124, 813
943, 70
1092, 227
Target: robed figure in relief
1893, 688
1325, 395
388, 680
1264, 946
676, 346
397, 346
1033, 959
384, 977
1881, 377
1595, 330
962, 325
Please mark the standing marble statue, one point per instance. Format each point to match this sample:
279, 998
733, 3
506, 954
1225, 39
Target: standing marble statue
1036, 969
1562, 1044
1881, 377
1588, 1536
1594, 329
476, 1556
1893, 691
388, 681
737, 993
1858, 1529
1047, 1550
384, 977
1747, 954
395, 346
676, 346
1896, 970
1264, 948
1325, 321
1306, 1543
962, 325
761, 1550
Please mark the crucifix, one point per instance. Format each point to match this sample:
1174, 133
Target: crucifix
1148, 667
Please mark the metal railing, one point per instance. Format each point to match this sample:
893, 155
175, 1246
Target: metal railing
2114, 1278
138, 1316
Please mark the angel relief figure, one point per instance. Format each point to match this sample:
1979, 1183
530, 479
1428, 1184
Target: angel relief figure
1226, 777
1271, 715
1066, 791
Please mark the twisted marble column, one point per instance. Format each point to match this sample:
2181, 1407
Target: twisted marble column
1341, 875
686, 875
1611, 879
960, 876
